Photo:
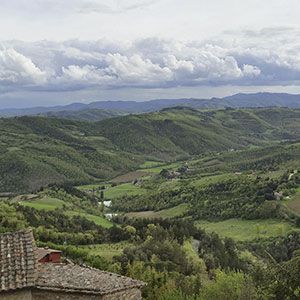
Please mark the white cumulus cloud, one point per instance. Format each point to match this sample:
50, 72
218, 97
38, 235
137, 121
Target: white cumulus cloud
18, 69
150, 63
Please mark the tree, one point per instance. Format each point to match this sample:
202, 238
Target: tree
130, 229
284, 279
10, 219
230, 286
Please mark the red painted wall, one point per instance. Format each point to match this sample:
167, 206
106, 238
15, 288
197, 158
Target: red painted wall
53, 257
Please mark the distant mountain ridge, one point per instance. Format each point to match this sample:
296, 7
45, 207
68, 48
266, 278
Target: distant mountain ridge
234, 101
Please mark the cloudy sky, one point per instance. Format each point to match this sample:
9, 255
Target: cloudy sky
55, 52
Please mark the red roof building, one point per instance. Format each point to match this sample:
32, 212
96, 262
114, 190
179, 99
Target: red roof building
46, 255
31, 273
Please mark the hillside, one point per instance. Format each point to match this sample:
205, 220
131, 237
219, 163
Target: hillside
115, 107
183, 131
90, 115
217, 186
36, 151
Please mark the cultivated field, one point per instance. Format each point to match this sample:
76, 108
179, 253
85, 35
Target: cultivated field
242, 230
294, 203
46, 203
93, 218
173, 212
122, 190
131, 176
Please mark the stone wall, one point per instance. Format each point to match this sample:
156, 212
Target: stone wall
16, 295
130, 294
47, 295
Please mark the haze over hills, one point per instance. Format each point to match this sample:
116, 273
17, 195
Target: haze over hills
118, 107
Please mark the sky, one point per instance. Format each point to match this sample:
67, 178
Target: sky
57, 52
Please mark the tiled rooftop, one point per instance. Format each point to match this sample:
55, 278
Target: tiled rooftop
17, 260
70, 277
19, 269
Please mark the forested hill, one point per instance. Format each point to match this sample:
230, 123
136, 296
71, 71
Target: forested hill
174, 131
91, 115
36, 151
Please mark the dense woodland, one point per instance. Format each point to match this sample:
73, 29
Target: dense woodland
157, 255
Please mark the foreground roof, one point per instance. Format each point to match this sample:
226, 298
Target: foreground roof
17, 260
19, 268
74, 278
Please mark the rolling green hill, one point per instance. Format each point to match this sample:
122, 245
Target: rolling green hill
180, 131
91, 115
36, 151
196, 193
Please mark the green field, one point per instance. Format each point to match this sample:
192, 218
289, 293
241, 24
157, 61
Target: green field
122, 190
102, 221
112, 192
150, 164
155, 169
108, 251
46, 203
243, 230
206, 180
294, 203
90, 187
130, 177
173, 212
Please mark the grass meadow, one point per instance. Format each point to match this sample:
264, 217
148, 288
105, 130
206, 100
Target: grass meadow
243, 230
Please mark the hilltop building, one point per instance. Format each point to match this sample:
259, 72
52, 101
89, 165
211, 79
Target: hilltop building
31, 273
